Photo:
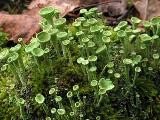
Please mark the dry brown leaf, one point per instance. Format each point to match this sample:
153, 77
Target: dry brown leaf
113, 7
64, 6
26, 24
147, 8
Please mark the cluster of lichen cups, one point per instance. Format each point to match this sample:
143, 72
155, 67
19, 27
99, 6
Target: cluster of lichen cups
120, 50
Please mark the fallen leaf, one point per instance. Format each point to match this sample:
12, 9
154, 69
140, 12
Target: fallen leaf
27, 24
23, 26
147, 8
64, 6
113, 7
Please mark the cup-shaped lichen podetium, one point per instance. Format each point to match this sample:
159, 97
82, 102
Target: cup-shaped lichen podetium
83, 11
156, 25
29, 48
77, 25
17, 49
61, 111
124, 40
147, 25
40, 100
53, 110
66, 44
76, 90
43, 37
69, 96
12, 60
21, 103
13, 56
81, 19
146, 39
58, 100
94, 11
38, 52
122, 25
135, 22
92, 21
94, 83
96, 31
101, 48
53, 32
4, 54
48, 14
61, 36
60, 23
104, 86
